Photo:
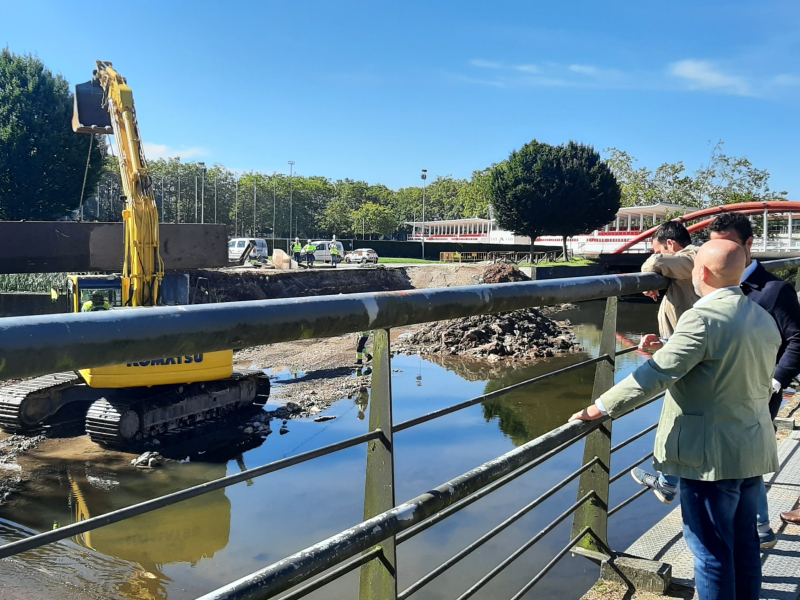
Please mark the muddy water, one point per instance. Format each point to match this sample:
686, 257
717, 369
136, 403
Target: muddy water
191, 548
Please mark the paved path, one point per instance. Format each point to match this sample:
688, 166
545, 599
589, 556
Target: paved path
781, 564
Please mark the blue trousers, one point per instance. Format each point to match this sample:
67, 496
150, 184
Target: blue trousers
719, 525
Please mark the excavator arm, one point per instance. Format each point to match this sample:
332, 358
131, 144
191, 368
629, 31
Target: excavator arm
105, 105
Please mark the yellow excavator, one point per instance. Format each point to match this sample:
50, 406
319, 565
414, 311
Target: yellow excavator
135, 401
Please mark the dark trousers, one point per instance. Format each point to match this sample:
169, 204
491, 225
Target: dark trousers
775, 404
310, 259
719, 525
297, 258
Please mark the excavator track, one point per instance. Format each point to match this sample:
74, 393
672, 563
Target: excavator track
123, 423
13, 415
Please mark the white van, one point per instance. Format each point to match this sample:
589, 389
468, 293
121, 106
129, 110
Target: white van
237, 245
324, 254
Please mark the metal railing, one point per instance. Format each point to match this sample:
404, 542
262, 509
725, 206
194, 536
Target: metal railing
37, 345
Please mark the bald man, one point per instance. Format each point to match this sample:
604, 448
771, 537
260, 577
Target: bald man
715, 432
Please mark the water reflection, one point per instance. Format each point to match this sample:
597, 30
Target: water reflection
181, 552
141, 547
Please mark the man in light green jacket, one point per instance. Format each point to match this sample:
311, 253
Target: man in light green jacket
715, 431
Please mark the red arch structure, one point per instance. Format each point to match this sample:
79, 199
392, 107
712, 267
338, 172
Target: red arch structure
708, 214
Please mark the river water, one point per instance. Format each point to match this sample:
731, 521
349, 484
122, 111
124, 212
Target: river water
193, 547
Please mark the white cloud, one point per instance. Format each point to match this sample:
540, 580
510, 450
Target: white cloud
787, 80
156, 151
704, 76
585, 70
485, 64
528, 68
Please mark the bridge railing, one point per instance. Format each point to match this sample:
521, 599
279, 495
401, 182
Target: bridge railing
37, 345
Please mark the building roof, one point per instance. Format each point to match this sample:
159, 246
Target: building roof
474, 220
657, 210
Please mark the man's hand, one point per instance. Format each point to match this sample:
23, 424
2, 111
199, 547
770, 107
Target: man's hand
653, 294
650, 342
590, 413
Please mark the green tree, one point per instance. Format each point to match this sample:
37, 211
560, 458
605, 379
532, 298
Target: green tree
723, 180
475, 197
562, 190
373, 219
42, 161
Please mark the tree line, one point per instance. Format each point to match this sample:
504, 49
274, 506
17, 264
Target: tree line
46, 171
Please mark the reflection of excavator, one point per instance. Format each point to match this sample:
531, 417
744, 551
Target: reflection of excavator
182, 533
138, 400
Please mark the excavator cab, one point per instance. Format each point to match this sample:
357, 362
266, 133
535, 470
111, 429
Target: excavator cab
81, 289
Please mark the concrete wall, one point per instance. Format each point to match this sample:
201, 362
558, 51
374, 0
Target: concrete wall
68, 247
20, 304
561, 272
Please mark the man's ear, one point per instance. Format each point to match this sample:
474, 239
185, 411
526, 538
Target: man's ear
749, 244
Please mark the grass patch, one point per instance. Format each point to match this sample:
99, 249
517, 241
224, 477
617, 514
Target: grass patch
415, 261
574, 262
31, 282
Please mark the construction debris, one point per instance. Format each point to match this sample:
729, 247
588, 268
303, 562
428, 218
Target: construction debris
502, 273
520, 334
148, 460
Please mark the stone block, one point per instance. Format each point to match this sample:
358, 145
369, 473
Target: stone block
642, 575
784, 423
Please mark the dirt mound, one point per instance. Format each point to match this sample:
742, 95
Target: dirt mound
520, 334
502, 273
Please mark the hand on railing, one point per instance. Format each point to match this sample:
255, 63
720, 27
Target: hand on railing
590, 413
650, 342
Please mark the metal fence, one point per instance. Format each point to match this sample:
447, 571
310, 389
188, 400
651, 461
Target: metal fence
37, 345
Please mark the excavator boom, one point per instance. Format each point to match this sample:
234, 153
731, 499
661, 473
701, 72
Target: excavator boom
105, 105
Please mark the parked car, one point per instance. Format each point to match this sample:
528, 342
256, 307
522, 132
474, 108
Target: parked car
237, 245
361, 255
324, 254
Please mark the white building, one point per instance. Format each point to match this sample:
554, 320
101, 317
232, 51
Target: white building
628, 223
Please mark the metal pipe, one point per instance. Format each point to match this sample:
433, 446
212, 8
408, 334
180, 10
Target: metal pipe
334, 574
629, 467
527, 545
42, 344
315, 559
546, 569
633, 438
454, 508
625, 503
67, 531
467, 550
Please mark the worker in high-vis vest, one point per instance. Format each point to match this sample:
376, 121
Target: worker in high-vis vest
296, 249
361, 346
98, 302
334, 249
309, 249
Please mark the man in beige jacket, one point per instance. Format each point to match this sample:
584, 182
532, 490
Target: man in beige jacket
673, 257
715, 430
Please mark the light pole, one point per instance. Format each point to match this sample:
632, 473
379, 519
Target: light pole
274, 196
236, 210
215, 198
291, 174
203, 193
424, 176
255, 182
178, 203
195, 198
162, 198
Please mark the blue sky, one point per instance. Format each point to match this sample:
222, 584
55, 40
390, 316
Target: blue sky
379, 90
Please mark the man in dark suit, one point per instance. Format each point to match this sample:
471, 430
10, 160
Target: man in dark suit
779, 299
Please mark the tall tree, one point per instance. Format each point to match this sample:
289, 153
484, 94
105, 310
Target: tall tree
42, 161
563, 190
723, 180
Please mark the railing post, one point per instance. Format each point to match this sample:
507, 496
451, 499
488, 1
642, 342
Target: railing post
379, 576
594, 514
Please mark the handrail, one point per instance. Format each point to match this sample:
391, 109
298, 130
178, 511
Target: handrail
43, 344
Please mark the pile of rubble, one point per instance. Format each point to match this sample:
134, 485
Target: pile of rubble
502, 273
520, 334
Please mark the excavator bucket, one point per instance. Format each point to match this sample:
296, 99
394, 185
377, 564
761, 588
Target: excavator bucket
89, 115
